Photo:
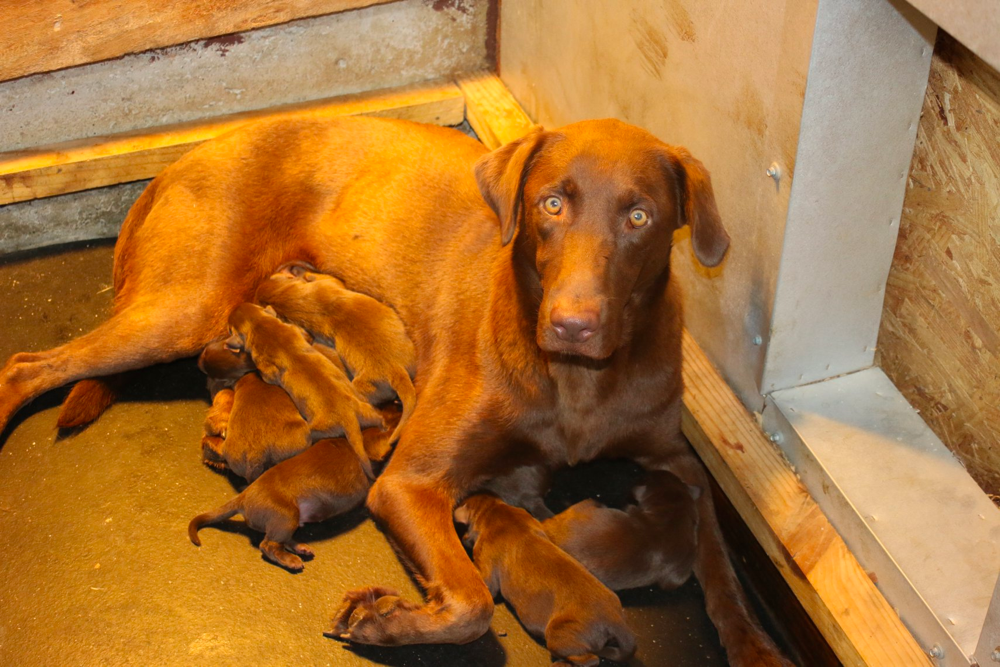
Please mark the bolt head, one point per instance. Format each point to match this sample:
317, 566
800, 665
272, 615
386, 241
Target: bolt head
757, 340
936, 652
995, 656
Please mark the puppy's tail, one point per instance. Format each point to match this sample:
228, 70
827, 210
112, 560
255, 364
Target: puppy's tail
229, 509
403, 386
352, 431
621, 644
88, 399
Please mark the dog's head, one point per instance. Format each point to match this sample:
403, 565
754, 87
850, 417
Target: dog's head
226, 360
597, 204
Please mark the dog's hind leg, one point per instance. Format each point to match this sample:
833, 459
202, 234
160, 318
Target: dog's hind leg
178, 322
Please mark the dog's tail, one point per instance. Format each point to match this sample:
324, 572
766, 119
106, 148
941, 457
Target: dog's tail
229, 509
403, 386
88, 399
352, 431
621, 644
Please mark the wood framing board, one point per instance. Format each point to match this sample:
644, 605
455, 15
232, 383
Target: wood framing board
854, 617
938, 339
51, 35
99, 161
491, 110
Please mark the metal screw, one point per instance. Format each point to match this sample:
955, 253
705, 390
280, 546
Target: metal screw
995, 656
774, 171
776, 438
936, 652
757, 340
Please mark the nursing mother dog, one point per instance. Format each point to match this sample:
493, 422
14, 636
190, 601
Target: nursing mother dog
534, 281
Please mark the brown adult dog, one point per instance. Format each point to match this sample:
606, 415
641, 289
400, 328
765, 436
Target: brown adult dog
552, 341
325, 480
652, 542
367, 334
553, 595
318, 387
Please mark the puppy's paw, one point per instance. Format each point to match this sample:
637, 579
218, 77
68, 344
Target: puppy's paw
275, 552
372, 616
301, 550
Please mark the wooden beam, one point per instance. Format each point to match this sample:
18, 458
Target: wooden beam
491, 110
108, 160
50, 35
839, 595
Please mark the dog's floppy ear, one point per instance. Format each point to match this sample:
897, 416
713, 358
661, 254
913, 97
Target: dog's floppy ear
501, 175
709, 238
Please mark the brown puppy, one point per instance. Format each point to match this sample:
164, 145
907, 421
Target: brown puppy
653, 542
553, 595
535, 282
325, 480
320, 390
367, 334
253, 425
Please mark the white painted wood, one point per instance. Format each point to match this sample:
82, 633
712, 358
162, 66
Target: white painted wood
867, 77
975, 23
901, 500
988, 651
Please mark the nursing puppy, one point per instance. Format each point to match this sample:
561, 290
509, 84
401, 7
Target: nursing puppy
252, 425
320, 390
653, 542
552, 594
325, 480
367, 334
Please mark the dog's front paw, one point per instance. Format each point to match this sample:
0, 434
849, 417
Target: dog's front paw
371, 616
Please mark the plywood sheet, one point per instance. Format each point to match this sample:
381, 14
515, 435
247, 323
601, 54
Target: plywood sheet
940, 334
44, 36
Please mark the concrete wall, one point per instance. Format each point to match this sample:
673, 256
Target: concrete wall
727, 80
376, 47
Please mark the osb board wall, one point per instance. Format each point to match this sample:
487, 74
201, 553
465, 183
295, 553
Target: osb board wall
940, 334
375, 47
727, 80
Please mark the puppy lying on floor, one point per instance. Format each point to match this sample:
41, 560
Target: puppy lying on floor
367, 334
552, 594
653, 542
252, 425
325, 480
319, 388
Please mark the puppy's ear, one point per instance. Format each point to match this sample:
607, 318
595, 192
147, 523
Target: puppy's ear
501, 176
709, 239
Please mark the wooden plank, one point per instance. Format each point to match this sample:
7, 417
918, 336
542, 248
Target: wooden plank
50, 35
839, 595
491, 110
938, 340
100, 161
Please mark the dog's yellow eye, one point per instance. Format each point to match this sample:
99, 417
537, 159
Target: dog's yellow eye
638, 217
552, 205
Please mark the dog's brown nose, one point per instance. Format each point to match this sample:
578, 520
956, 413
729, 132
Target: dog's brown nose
574, 327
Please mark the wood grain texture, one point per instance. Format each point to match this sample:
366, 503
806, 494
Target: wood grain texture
50, 35
836, 591
491, 110
99, 161
939, 340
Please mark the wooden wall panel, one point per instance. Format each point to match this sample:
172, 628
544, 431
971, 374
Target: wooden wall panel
940, 334
50, 35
